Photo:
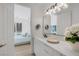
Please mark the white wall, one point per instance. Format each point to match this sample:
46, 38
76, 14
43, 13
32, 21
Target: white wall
7, 29
75, 13
22, 15
36, 19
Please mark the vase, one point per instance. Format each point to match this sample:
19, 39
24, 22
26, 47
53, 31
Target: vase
75, 46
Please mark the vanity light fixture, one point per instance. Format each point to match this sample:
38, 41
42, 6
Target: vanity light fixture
65, 6
57, 7
48, 11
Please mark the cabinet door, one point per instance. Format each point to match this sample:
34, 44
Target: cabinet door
38, 48
47, 50
41, 49
3, 50
6, 29
51, 51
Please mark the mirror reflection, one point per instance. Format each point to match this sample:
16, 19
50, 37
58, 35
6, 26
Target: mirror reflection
58, 21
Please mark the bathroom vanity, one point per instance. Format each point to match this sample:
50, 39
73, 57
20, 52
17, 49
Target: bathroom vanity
44, 48
56, 24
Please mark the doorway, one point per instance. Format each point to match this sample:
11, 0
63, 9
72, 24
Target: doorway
22, 30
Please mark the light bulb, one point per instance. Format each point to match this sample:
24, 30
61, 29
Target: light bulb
65, 6
50, 10
53, 11
55, 8
60, 5
48, 13
58, 9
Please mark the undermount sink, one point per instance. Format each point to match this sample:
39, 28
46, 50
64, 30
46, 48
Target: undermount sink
52, 40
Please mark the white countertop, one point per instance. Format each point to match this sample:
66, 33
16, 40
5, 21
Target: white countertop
62, 47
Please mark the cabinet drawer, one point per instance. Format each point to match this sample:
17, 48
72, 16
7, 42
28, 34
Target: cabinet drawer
50, 51
41, 49
38, 48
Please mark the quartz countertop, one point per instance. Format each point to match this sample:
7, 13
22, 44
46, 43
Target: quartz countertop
62, 47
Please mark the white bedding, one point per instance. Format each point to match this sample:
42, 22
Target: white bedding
20, 39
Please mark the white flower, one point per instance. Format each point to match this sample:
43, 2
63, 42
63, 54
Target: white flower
67, 34
72, 29
67, 29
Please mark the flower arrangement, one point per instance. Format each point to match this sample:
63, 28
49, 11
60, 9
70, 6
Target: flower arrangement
72, 33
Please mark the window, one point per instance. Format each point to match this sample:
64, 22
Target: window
53, 28
53, 23
18, 27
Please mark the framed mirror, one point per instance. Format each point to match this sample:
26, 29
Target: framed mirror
57, 23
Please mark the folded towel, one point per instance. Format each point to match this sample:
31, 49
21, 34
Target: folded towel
52, 40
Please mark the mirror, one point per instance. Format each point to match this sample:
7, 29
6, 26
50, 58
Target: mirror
56, 23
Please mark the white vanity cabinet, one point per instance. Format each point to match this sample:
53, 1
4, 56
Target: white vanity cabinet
38, 48
41, 49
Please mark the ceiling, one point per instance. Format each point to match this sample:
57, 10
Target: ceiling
36, 4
